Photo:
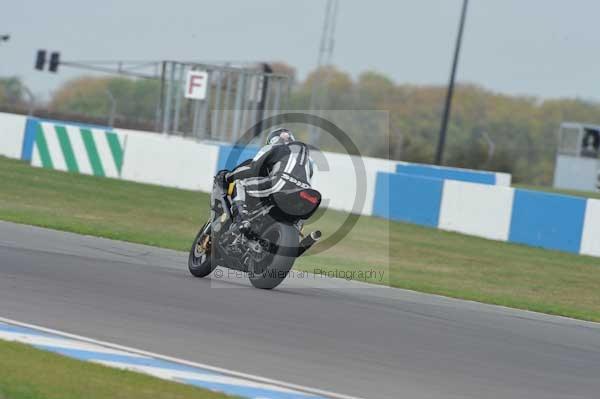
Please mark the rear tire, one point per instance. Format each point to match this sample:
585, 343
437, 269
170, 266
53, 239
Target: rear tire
199, 260
275, 268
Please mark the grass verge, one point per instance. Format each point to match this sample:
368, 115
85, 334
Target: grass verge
25, 374
410, 256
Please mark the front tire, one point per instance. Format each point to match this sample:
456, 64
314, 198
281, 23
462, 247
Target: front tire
269, 273
199, 260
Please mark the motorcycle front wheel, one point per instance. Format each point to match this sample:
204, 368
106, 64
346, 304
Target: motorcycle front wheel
283, 241
199, 260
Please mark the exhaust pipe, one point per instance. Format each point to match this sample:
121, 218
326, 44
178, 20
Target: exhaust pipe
309, 241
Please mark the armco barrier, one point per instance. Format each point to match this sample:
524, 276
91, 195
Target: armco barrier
444, 172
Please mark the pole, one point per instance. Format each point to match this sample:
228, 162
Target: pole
161, 100
113, 108
260, 109
439, 156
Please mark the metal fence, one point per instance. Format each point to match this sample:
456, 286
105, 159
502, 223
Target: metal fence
236, 98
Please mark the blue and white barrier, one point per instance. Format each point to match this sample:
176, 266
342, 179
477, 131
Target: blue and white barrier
534, 218
418, 201
448, 173
590, 240
471, 202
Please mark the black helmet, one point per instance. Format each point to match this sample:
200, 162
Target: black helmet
280, 136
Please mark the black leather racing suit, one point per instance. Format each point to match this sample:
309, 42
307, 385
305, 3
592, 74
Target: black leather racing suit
262, 176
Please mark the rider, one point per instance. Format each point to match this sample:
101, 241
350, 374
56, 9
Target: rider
269, 172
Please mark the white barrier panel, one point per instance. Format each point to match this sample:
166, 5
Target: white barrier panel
337, 180
476, 209
590, 238
169, 161
503, 179
12, 128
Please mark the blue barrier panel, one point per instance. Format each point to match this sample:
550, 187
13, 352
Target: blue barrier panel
547, 220
440, 172
230, 156
407, 198
31, 128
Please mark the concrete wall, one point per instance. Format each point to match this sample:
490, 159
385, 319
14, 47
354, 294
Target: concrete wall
460, 174
477, 209
169, 161
11, 134
77, 148
590, 240
337, 181
535, 218
408, 198
426, 195
117, 153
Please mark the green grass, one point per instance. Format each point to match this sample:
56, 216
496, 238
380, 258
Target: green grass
412, 257
29, 373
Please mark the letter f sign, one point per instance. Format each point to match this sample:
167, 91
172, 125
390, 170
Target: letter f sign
195, 85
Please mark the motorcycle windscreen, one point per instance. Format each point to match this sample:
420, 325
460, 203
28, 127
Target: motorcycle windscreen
300, 204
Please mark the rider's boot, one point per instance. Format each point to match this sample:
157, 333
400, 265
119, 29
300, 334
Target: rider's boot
240, 218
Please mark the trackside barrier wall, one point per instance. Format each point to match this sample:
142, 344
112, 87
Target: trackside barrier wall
79, 148
407, 198
11, 134
118, 153
476, 209
170, 161
492, 211
534, 218
444, 172
547, 220
590, 240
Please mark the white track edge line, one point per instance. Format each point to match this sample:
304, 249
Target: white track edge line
300, 388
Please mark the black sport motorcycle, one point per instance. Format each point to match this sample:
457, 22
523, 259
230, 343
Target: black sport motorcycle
268, 251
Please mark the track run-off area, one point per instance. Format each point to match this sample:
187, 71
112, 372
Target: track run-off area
332, 335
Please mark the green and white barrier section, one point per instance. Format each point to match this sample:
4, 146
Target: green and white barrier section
86, 149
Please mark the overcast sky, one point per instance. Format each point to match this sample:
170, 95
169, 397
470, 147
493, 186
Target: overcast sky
546, 48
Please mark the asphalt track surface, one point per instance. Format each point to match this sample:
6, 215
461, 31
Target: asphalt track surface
345, 337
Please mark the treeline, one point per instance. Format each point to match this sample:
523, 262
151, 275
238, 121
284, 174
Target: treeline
522, 130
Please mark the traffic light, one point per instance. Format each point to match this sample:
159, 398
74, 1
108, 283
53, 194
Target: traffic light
40, 60
54, 61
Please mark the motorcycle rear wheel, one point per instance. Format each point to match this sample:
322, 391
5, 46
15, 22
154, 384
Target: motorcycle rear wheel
269, 273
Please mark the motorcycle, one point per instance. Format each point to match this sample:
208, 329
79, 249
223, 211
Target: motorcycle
267, 252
